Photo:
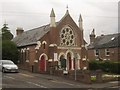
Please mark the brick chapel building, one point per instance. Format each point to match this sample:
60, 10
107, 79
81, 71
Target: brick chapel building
59, 45
104, 47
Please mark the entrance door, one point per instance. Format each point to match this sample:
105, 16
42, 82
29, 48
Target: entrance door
69, 60
42, 64
63, 62
70, 63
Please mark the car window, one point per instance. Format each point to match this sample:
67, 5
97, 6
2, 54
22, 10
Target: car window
7, 62
0, 63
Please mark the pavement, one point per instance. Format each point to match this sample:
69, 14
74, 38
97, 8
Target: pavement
110, 84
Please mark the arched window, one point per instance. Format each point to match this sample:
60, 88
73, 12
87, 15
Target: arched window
43, 45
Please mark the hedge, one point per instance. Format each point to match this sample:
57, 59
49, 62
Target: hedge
106, 66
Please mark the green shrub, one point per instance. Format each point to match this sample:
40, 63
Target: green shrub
93, 65
106, 66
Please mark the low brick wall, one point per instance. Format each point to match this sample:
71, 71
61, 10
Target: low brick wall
80, 75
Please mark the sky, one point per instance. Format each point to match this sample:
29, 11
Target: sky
102, 15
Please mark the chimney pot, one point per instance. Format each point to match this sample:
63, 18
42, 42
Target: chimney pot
19, 31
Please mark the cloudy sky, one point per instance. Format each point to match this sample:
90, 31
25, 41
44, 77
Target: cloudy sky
28, 14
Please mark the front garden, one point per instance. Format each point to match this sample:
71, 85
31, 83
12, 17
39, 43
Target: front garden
110, 70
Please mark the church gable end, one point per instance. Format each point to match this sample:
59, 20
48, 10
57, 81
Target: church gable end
74, 34
57, 41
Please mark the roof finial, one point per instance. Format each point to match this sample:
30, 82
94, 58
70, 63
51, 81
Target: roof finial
67, 12
93, 32
67, 7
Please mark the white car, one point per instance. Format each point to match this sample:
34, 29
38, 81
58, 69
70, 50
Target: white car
8, 66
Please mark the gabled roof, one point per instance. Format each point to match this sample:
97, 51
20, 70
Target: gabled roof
32, 36
106, 41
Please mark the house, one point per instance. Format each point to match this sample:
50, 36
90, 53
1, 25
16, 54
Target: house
59, 45
104, 47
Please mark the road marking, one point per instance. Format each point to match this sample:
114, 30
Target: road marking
26, 75
69, 83
37, 85
9, 77
114, 82
63, 83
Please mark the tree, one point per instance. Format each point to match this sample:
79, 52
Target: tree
9, 48
0, 47
6, 34
9, 51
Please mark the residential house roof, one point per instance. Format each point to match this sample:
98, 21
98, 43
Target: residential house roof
106, 41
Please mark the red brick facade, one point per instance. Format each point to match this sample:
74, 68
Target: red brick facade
104, 47
62, 48
114, 54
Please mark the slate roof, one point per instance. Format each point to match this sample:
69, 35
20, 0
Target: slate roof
106, 41
31, 36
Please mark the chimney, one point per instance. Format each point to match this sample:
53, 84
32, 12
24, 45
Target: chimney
19, 31
92, 36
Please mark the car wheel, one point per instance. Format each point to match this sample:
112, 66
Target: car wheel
3, 70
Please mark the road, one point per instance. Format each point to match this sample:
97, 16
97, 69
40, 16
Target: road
33, 80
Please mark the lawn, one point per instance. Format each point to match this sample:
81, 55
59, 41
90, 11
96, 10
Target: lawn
106, 77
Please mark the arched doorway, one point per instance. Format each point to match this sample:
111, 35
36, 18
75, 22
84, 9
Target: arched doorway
69, 61
42, 63
62, 62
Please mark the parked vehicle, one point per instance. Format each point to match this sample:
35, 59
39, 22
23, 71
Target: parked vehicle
8, 66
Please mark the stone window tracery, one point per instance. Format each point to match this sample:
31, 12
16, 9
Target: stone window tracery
67, 37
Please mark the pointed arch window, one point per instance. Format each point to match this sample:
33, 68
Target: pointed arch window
44, 44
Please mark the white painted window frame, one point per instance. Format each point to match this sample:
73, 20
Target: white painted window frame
107, 51
95, 52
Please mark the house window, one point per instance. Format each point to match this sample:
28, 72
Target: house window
96, 52
107, 52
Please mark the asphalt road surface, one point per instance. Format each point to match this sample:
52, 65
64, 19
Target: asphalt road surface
32, 80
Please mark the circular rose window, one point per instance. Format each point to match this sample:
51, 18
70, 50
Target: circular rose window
67, 37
